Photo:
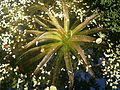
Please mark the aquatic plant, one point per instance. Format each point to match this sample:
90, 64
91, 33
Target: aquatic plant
60, 37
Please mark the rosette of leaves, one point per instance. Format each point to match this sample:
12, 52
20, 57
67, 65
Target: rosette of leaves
60, 38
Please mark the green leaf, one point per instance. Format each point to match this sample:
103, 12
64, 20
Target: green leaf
52, 36
69, 67
39, 5
83, 38
82, 54
57, 67
47, 57
38, 38
31, 42
34, 59
66, 15
91, 31
75, 24
51, 16
40, 23
34, 32
30, 50
83, 25
51, 29
45, 20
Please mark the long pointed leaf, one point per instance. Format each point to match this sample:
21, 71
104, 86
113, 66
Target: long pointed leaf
41, 6
83, 38
53, 22
57, 68
30, 50
45, 47
46, 58
83, 25
80, 51
56, 23
51, 29
34, 32
46, 20
31, 43
91, 31
36, 39
40, 22
49, 21
75, 24
34, 59
69, 67
82, 54
51, 16
48, 28
51, 37
66, 15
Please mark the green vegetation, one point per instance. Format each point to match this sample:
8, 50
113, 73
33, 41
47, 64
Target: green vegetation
41, 39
